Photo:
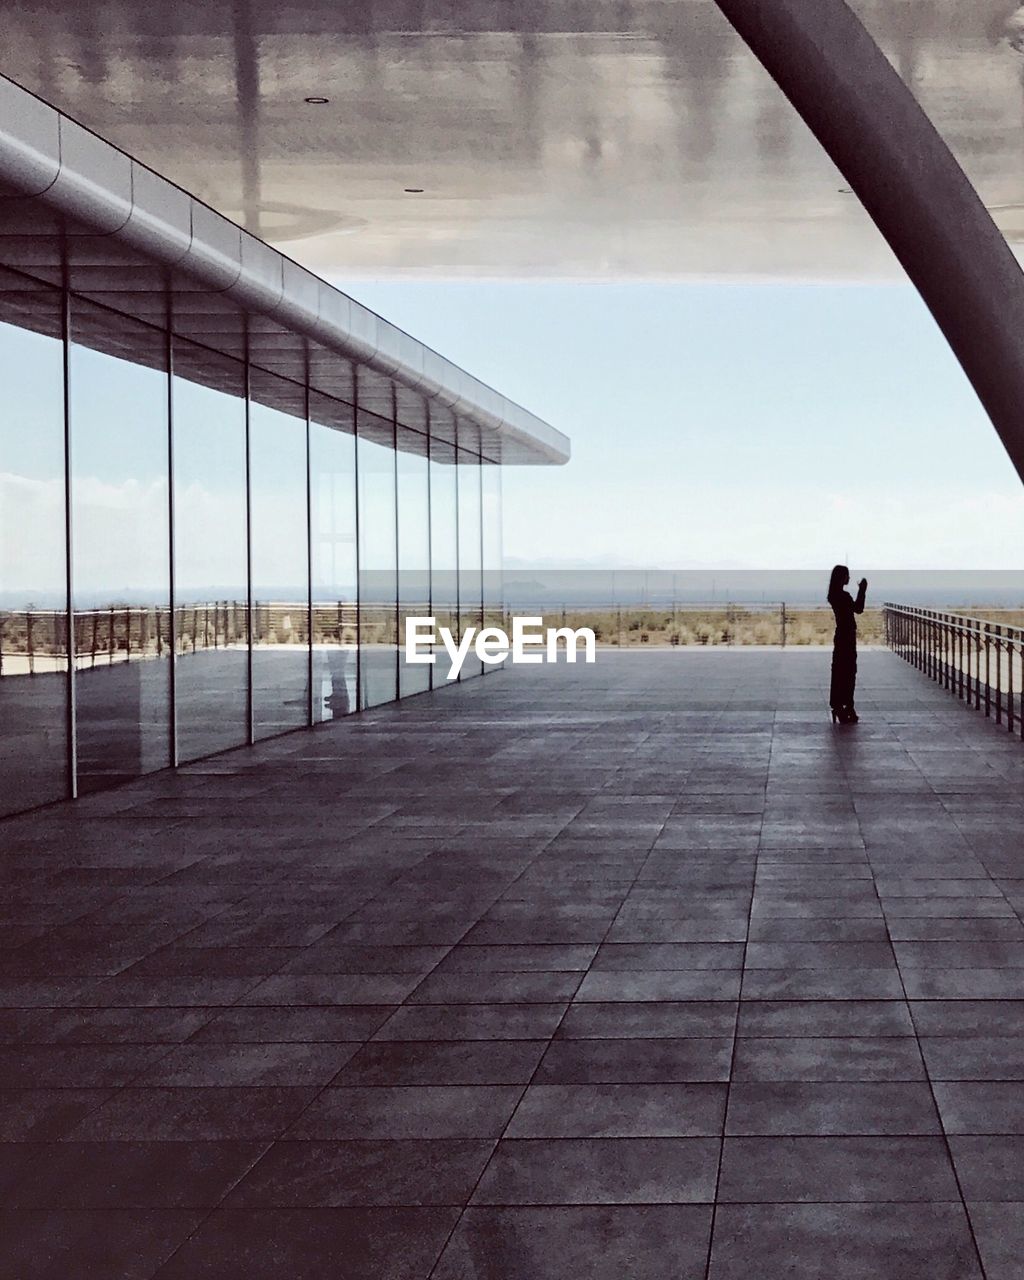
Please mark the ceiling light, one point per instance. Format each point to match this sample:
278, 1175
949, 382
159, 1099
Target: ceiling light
413, 191
317, 102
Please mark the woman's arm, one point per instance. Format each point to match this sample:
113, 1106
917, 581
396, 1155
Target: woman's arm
862, 590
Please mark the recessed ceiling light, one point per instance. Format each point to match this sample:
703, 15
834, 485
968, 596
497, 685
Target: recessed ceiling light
413, 191
845, 191
317, 102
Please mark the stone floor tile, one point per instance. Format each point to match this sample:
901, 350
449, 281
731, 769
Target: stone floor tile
818, 1018
75, 1244
217, 1113
472, 1022
600, 1171
862, 1108
496, 988
911, 1241
643, 1242
305, 1244
668, 1020
318, 1174
828, 1058
987, 1107
835, 1170
999, 1232
408, 1111
619, 1110
630, 987
662, 1061
447, 1062
121, 1175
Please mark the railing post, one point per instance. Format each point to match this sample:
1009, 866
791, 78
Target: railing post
988, 670
999, 675
950, 652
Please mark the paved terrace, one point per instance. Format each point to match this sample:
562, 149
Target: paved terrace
635, 971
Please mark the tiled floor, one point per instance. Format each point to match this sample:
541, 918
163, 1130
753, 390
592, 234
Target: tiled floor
640, 971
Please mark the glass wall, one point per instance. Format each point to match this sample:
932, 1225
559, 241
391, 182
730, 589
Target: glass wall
413, 466
33, 550
279, 534
120, 546
211, 576
471, 607
378, 561
493, 585
243, 550
332, 462
444, 548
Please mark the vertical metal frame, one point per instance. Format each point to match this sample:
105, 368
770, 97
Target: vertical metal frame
249, 699
398, 567
172, 629
480, 507
359, 549
430, 527
458, 541
309, 558
69, 552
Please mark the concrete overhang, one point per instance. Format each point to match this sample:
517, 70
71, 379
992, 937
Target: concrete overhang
609, 139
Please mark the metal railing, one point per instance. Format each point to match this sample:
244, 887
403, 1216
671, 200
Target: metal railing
982, 662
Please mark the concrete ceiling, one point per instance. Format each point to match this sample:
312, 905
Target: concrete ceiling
569, 138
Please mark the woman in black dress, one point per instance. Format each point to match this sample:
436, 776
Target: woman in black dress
844, 652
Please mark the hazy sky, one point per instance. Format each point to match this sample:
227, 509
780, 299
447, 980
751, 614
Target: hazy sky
717, 425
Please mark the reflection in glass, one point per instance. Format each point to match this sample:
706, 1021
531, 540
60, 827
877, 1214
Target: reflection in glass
121, 555
444, 549
33, 555
211, 685
470, 553
413, 549
494, 592
280, 554
378, 593
332, 461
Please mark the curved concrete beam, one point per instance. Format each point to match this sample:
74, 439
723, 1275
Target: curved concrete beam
869, 122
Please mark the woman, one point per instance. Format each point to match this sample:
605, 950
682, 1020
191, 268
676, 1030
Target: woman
844, 652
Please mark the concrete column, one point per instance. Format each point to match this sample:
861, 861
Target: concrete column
869, 122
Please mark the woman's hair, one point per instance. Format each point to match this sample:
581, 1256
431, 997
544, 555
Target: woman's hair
839, 579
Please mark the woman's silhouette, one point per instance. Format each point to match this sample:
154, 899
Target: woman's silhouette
844, 652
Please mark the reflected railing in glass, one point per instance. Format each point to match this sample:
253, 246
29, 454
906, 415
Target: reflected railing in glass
120, 633
33, 642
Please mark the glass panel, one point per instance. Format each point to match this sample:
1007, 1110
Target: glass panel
470, 554
444, 549
121, 561
33, 554
378, 658
211, 686
332, 454
413, 550
494, 593
279, 520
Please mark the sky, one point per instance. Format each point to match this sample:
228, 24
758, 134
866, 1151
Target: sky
714, 425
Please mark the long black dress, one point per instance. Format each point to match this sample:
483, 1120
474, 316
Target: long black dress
844, 650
